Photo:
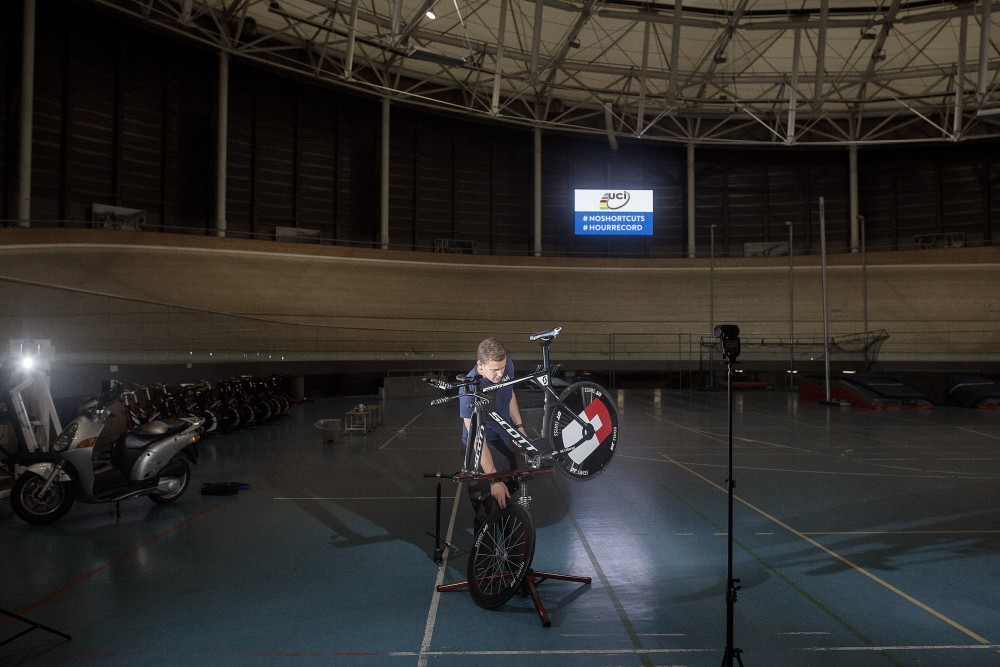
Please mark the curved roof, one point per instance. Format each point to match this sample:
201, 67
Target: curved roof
768, 72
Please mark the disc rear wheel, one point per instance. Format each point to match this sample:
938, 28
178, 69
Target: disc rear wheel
589, 425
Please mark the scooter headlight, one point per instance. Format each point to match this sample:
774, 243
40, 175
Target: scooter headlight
65, 439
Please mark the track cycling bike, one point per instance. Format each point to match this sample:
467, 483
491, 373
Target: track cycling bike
579, 437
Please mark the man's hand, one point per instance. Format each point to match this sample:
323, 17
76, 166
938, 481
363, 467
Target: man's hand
500, 493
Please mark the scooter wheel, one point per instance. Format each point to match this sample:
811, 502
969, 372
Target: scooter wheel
28, 503
179, 471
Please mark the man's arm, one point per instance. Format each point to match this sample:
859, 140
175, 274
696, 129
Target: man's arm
515, 415
498, 489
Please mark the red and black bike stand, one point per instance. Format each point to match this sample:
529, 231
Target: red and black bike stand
531, 581
529, 586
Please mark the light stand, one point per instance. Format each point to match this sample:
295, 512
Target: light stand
34, 625
440, 544
730, 337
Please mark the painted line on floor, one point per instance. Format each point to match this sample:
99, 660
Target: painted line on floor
832, 473
345, 498
159, 536
869, 649
901, 532
854, 566
663, 651
436, 598
400, 431
985, 434
568, 651
623, 617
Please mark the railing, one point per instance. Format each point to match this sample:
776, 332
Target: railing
286, 230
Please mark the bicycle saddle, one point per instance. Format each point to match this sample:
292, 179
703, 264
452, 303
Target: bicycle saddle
545, 336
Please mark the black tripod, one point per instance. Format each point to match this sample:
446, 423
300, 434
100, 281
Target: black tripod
440, 544
34, 625
730, 335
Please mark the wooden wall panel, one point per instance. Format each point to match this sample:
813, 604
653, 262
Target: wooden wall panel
49, 138
510, 205
477, 198
404, 128
189, 162
240, 154
962, 202
358, 159
316, 165
92, 107
10, 28
141, 143
275, 157
434, 178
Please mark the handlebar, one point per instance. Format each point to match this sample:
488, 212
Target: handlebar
521, 474
470, 383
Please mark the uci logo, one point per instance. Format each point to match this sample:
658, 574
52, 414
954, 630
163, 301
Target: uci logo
615, 200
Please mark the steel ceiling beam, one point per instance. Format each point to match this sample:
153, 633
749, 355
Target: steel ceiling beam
363, 46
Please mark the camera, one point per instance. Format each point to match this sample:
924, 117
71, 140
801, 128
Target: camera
730, 336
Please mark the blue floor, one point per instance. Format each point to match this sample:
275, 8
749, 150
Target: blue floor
860, 538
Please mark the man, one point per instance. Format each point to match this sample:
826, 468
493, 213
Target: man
495, 367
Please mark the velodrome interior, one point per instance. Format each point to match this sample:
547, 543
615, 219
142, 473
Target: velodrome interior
351, 246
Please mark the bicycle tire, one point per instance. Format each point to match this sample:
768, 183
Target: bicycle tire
592, 403
501, 556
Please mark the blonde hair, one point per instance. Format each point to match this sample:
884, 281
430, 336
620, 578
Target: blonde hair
491, 350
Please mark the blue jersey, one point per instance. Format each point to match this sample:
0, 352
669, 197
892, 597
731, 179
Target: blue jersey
501, 403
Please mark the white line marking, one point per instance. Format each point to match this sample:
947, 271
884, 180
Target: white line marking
436, 598
401, 431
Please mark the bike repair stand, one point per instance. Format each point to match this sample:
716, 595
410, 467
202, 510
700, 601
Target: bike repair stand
729, 333
532, 578
34, 626
440, 544
531, 581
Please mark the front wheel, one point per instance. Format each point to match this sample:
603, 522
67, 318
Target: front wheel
585, 429
175, 477
29, 503
501, 556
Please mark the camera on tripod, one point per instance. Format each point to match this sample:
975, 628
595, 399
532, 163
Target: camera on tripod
730, 336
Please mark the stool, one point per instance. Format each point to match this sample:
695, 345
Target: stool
330, 429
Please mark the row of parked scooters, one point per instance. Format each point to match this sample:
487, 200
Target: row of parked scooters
153, 455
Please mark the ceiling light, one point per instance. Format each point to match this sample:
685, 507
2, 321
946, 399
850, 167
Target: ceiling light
430, 14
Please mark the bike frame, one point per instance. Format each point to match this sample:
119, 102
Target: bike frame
535, 458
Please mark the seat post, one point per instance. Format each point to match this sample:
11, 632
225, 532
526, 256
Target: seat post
545, 353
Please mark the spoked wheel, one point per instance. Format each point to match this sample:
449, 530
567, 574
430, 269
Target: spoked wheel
501, 556
29, 503
594, 440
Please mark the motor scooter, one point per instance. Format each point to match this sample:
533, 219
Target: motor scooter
153, 459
